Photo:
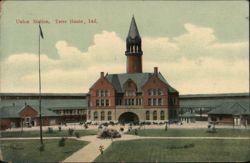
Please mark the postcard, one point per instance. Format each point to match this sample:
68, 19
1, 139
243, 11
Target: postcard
124, 81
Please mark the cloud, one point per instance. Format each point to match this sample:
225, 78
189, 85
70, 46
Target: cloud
194, 62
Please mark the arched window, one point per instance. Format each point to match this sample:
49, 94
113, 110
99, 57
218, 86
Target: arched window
102, 116
109, 115
147, 115
155, 115
95, 115
162, 115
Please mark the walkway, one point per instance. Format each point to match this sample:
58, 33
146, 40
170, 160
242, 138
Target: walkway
89, 152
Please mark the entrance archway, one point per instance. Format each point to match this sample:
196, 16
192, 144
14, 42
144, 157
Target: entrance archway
128, 117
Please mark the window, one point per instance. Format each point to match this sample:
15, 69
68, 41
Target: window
102, 93
155, 115
107, 102
126, 102
154, 102
109, 115
97, 103
102, 102
102, 116
160, 92
132, 101
147, 115
149, 102
162, 115
159, 101
154, 92
95, 115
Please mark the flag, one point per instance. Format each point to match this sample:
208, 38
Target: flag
41, 32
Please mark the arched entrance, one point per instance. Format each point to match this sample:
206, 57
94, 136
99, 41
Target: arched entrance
128, 117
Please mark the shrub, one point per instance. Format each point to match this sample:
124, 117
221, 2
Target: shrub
71, 131
50, 130
109, 133
136, 132
112, 123
77, 134
61, 142
41, 147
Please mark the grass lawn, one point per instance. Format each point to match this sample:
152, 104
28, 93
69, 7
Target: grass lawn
192, 132
27, 150
161, 150
63, 133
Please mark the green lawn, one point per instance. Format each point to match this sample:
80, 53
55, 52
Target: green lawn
160, 150
192, 132
63, 133
27, 150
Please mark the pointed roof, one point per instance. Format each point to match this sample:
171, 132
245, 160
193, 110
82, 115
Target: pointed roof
133, 31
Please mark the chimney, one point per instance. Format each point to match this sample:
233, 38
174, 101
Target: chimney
155, 70
102, 74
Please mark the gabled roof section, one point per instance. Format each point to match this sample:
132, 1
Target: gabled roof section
170, 89
231, 109
118, 80
140, 79
133, 30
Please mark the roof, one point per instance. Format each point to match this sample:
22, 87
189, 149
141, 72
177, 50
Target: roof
133, 31
210, 102
13, 111
118, 80
45, 94
219, 95
46, 103
230, 108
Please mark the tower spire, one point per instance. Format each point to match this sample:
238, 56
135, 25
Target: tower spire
133, 30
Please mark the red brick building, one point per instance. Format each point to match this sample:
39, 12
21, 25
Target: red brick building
26, 116
133, 96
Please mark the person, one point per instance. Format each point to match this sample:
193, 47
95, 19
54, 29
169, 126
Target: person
101, 149
166, 127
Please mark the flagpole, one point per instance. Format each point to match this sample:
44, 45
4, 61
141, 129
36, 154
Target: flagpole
39, 60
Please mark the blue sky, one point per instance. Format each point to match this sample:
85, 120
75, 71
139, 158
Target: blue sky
200, 47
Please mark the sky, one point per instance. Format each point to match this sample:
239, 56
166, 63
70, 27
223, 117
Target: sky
198, 46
